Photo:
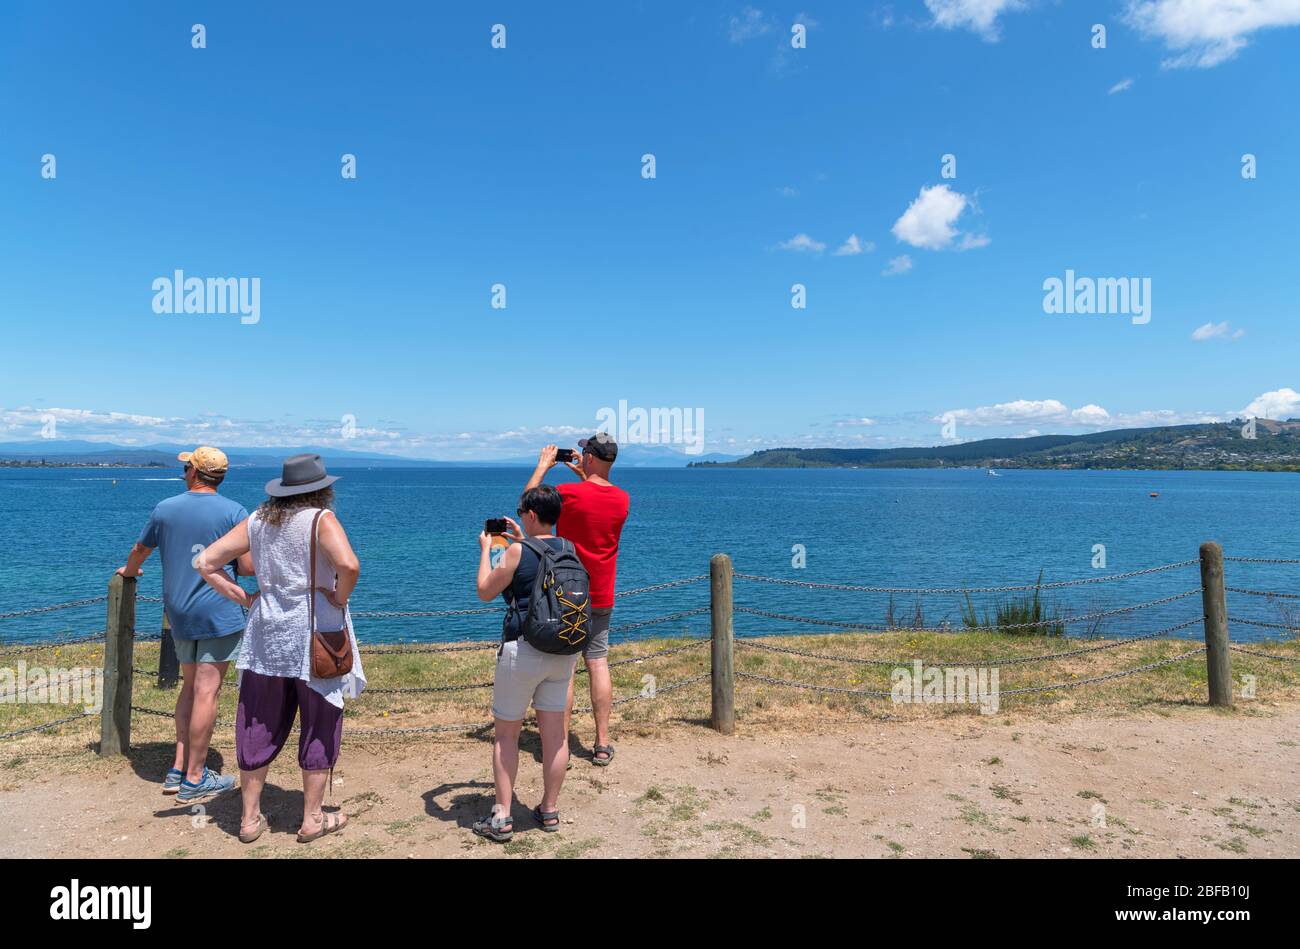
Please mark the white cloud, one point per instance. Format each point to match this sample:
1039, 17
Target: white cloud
854, 245
747, 25
898, 265
929, 221
855, 422
981, 16
803, 243
1205, 33
1216, 331
1055, 412
1120, 86
973, 241
1278, 404
788, 192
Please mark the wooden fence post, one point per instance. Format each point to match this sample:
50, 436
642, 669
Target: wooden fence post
1217, 660
724, 681
169, 669
119, 660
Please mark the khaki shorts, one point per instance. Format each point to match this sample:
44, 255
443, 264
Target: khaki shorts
525, 675
220, 649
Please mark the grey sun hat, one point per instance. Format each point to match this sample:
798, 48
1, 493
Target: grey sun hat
302, 474
602, 445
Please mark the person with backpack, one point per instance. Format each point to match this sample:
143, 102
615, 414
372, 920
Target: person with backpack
547, 623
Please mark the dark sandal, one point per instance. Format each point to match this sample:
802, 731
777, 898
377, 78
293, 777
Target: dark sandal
544, 817
597, 751
247, 838
330, 823
493, 829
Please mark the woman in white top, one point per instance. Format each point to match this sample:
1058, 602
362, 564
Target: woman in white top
276, 681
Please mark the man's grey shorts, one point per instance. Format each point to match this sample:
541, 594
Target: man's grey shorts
525, 675
220, 649
598, 645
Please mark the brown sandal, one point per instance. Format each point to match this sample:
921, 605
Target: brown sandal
247, 838
329, 824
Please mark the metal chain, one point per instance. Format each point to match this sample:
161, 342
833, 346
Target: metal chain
662, 586
394, 614
1264, 655
1260, 560
56, 606
625, 627
751, 644
658, 692
1085, 617
1006, 589
1268, 593
1255, 622
53, 724
380, 650
433, 688
875, 693
54, 644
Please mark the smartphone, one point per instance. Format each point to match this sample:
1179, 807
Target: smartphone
495, 525
564, 454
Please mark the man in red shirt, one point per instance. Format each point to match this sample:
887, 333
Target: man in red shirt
592, 517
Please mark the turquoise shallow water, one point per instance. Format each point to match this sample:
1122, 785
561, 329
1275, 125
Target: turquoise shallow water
415, 531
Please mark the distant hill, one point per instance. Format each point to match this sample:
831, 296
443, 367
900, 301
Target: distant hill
60, 451
1220, 446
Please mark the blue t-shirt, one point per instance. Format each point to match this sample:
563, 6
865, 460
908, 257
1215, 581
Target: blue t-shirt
180, 527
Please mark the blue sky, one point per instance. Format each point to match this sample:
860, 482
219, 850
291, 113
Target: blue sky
522, 166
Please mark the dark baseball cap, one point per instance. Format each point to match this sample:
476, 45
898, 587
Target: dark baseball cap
602, 445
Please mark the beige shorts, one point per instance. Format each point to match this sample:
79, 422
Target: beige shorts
525, 675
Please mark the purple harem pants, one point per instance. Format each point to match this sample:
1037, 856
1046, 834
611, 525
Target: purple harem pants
267, 707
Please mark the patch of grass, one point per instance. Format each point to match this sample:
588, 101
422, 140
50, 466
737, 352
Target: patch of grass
1092, 796
652, 793
1003, 793
836, 810
524, 845
179, 853
897, 849
1083, 843
576, 848
1253, 831
1011, 614
764, 814
1235, 845
979, 854
994, 760
403, 828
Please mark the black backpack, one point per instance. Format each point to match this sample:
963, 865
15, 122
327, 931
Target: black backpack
559, 612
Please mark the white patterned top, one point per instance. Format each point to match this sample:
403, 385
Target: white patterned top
277, 639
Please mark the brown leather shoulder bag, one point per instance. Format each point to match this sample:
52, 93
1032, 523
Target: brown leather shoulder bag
331, 651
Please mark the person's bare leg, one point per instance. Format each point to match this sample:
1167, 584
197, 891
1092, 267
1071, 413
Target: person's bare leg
203, 715
505, 764
555, 755
602, 697
184, 707
313, 795
568, 707
250, 790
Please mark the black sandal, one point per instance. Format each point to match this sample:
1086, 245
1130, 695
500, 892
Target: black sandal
597, 751
494, 828
549, 821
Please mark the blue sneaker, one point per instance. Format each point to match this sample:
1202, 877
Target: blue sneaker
172, 783
209, 787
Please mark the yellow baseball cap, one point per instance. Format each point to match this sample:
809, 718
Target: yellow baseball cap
209, 460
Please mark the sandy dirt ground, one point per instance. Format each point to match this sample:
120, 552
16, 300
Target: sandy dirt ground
1183, 782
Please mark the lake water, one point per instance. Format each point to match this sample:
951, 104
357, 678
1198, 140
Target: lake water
415, 531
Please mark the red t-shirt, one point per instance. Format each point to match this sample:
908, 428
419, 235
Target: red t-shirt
592, 517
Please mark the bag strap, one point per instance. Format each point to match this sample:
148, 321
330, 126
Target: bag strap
311, 590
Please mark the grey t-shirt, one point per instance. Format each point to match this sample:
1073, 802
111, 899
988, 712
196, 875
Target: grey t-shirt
180, 527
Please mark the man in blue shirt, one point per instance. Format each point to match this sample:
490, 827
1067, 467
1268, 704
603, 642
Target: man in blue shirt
206, 626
